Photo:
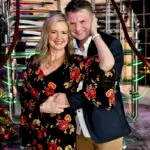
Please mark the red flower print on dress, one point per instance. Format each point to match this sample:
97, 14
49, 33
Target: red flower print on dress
68, 118
40, 147
59, 148
29, 70
74, 74
52, 146
81, 65
23, 120
39, 72
49, 91
63, 125
59, 117
34, 142
34, 92
90, 92
39, 134
111, 95
32, 126
89, 61
6, 135
52, 85
44, 132
31, 104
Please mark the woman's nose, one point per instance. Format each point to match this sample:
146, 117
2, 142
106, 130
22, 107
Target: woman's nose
58, 35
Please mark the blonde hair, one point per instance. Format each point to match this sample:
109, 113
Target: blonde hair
43, 46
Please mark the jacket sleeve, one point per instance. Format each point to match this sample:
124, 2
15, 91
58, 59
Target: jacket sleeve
117, 51
76, 100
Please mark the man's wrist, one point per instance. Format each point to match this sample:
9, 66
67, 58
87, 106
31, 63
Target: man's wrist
95, 35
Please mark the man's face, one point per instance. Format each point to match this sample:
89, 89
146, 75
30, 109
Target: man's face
80, 24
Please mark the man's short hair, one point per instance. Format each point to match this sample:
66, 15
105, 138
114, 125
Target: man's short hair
76, 5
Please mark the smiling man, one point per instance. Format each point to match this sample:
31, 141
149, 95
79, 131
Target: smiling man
97, 129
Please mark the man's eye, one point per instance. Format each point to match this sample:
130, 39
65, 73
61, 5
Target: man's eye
65, 32
53, 31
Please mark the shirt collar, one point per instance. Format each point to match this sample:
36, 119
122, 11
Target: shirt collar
86, 46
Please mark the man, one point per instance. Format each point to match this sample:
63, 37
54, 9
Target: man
97, 129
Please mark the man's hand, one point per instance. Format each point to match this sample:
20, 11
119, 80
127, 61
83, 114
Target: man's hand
50, 106
61, 99
94, 26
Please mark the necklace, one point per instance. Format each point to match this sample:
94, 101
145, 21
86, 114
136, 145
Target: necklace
54, 63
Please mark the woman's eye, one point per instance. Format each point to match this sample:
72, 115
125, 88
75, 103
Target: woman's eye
71, 23
53, 32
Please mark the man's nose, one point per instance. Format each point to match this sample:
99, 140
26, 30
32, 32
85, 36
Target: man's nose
78, 27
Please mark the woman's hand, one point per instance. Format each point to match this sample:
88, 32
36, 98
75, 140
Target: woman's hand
51, 107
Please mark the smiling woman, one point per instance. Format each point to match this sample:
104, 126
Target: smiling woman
45, 124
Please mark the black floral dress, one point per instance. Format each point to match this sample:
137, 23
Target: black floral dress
46, 131
57, 132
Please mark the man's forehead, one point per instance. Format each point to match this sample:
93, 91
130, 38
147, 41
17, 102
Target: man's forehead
79, 15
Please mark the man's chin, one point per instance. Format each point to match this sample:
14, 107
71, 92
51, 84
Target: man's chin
80, 38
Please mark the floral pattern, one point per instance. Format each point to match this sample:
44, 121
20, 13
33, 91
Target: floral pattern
51, 132
57, 132
99, 85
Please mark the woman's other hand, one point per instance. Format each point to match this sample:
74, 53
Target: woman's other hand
52, 107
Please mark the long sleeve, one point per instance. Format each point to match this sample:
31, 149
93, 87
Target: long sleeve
27, 97
98, 88
99, 85
117, 51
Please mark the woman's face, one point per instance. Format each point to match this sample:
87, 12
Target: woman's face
58, 35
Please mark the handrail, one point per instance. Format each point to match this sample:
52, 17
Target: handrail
139, 55
15, 36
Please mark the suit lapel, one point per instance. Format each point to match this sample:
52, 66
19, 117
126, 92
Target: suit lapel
92, 50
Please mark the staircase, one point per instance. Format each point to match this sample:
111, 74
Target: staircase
32, 15
142, 11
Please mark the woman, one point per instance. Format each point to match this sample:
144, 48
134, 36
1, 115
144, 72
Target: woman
44, 123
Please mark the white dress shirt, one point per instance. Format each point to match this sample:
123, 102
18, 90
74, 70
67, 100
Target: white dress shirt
80, 122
